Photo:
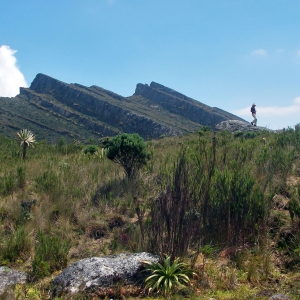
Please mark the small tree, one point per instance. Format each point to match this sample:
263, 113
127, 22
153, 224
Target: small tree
27, 139
129, 151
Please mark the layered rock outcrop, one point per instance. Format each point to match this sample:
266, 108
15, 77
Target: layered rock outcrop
52, 108
180, 104
102, 105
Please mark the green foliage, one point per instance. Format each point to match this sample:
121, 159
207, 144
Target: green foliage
233, 211
250, 135
238, 134
17, 245
129, 151
207, 250
64, 147
198, 190
91, 149
205, 128
47, 181
165, 277
176, 213
13, 180
51, 254
294, 208
21, 177
9, 183
27, 291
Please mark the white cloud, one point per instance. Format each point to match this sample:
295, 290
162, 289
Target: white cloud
298, 52
297, 100
259, 52
11, 78
274, 117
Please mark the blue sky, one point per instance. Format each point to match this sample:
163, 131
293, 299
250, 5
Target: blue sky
224, 53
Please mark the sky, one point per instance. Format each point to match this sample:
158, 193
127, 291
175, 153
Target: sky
223, 53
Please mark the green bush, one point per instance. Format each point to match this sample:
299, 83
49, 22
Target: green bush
17, 245
250, 135
63, 147
129, 151
21, 177
205, 128
9, 183
47, 181
51, 254
91, 149
238, 134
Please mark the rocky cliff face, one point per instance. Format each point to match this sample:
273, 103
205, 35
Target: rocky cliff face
180, 104
51, 108
97, 103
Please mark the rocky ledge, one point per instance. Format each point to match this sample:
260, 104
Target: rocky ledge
237, 125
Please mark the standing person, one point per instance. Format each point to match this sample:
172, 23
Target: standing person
253, 111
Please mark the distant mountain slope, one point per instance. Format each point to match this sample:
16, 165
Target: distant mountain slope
181, 105
54, 109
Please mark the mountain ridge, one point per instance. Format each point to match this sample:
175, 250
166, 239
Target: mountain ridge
53, 109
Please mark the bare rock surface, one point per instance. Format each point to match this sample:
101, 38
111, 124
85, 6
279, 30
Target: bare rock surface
280, 297
237, 125
91, 273
9, 277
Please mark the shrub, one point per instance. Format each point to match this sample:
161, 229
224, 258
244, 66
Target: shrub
21, 178
9, 183
205, 128
91, 149
47, 181
238, 134
51, 254
250, 135
18, 244
129, 151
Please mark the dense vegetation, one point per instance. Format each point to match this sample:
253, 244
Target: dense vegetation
227, 204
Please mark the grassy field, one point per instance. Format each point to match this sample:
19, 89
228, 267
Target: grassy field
227, 204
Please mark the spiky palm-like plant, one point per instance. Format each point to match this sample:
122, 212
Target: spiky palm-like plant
27, 139
167, 275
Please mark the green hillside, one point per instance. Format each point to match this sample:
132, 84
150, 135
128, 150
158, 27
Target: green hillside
228, 205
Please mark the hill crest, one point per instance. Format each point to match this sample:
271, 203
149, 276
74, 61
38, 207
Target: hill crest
53, 109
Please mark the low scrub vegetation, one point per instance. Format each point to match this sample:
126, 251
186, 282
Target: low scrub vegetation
227, 205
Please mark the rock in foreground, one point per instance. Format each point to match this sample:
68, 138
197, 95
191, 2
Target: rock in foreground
280, 297
91, 273
9, 277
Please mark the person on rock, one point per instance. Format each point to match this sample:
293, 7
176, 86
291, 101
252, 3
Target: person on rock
253, 111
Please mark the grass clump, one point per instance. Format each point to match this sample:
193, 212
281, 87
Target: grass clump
16, 246
51, 254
